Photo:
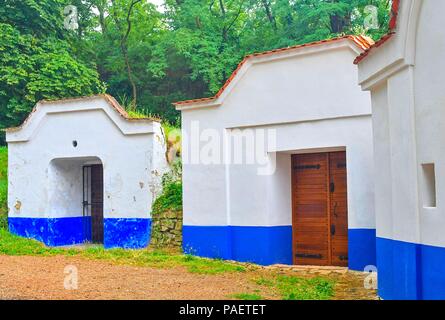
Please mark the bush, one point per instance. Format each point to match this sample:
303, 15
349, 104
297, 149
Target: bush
4, 221
171, 197
166, 230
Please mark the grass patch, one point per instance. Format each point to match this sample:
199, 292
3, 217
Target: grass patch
18, 246
247, 296
162, 259
296, 288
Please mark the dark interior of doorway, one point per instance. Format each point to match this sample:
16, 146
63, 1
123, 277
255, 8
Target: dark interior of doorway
93, 226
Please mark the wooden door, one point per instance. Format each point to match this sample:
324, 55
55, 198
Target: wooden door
319, 209
97, 194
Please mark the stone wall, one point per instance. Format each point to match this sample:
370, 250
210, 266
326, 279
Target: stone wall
167, 229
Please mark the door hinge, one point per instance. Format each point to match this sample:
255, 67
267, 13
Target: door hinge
308, 167
308, 256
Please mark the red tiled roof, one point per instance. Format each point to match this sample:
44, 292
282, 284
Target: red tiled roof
362, 42
109, 99
392, 28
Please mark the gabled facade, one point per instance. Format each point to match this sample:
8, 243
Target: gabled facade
406, 76
81, 170
277, 167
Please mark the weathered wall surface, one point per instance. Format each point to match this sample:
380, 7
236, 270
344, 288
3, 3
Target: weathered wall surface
45, 171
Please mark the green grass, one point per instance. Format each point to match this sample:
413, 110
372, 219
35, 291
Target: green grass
248, 296
136, 114
18, 246
296, 288
288, 287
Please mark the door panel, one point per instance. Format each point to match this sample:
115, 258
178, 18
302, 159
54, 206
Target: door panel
320, 214
97, 217
339, 208
310, 217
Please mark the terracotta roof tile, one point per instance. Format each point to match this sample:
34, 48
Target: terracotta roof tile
392, 27
362, 42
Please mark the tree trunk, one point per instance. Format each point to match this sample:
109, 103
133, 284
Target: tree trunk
269, 14
124, 50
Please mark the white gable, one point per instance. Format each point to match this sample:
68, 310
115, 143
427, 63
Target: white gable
73, 108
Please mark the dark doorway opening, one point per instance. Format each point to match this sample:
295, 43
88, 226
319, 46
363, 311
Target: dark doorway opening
320, 209
93, 226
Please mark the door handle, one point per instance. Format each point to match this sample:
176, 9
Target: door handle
332, 229
332, 187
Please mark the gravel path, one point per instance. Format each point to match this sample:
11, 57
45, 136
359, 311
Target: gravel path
28, 277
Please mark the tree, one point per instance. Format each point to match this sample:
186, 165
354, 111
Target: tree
37, 60
124, 32
149, 59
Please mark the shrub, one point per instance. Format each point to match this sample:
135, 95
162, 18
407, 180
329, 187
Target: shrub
171, 197
166, 230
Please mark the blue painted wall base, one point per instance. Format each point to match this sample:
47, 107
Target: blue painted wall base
361, 248
261, 245
266, 245
53, 232
408, 271
129, 233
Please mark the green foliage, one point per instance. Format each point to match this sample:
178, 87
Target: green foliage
39, 18
295, 288
18, 246
33, 69
187, 51
190, 49
248, 296
3, 221
161, 259
211, 37
170, 199
37, 59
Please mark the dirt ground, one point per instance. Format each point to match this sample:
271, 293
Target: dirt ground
28, 277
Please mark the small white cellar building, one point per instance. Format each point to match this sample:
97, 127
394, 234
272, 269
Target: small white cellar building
278, 166
81, 170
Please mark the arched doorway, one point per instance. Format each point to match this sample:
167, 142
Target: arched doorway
76, 191
93, 204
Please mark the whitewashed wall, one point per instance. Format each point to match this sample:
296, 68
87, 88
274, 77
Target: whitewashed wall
312, 101
406, 77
